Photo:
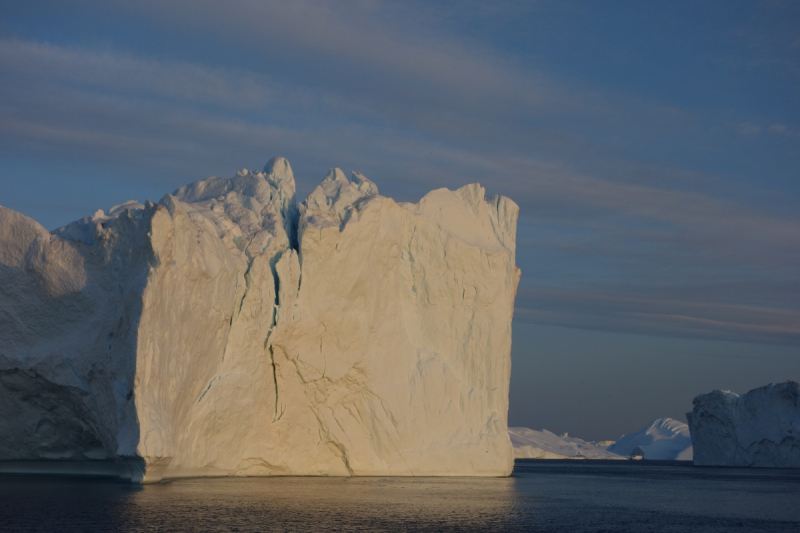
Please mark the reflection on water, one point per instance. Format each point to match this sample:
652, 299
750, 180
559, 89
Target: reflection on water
542, 496
257, 504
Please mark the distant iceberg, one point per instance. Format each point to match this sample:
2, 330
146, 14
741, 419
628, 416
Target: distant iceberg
664, 439
542, 444
760, 428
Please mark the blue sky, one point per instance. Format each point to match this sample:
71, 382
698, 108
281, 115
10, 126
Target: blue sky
654, 150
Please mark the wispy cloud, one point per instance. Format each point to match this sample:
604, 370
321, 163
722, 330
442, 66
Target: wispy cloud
41, 64
653, 314
783, 129
748, 129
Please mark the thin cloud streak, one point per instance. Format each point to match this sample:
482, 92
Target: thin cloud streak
379, 41
42, 63
677, 317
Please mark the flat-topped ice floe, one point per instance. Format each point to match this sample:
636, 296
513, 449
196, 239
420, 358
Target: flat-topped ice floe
227, 330
760, 428
542, 444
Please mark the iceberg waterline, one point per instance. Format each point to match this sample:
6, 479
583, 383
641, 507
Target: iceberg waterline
228, 330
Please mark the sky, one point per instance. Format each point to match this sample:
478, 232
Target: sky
653, 149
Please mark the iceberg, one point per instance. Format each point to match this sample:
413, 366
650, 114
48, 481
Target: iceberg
543, 444
760, 428
663, 439
229, 331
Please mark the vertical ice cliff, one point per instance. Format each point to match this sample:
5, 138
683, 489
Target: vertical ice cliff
760, 428
228, 331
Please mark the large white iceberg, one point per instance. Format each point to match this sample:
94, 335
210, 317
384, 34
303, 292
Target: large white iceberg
663, 439
227, 330
542, 444
760, 428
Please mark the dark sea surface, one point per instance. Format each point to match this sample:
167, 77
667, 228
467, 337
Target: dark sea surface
570, 496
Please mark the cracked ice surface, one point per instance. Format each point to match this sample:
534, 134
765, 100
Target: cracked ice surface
760, 428
228, 331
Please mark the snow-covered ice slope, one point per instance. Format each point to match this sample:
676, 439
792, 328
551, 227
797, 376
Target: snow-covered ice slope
664, 439
542, 444
228, 331
760, 428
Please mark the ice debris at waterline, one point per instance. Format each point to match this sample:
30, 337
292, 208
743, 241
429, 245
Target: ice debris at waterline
226, 330
663, 439
542, 444
760, 428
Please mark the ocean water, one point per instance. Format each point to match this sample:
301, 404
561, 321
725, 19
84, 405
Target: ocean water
570, 496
